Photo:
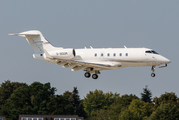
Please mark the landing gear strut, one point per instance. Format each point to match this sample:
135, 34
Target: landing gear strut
153, 69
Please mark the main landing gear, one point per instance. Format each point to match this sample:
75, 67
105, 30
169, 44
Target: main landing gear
94, 76
153, 69
87, 74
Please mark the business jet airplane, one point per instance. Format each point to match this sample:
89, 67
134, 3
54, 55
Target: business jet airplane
92, 60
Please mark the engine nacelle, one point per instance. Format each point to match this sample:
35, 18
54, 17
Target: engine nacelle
63, 53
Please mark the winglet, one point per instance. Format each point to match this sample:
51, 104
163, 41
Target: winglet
91, 47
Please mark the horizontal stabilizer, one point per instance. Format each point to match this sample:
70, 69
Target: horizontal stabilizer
19, 34
13, 34
27, 33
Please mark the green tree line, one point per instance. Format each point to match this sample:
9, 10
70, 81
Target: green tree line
38, 99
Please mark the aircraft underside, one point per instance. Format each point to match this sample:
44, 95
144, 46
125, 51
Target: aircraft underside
95, 73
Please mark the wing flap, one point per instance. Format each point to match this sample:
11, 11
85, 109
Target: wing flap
96, 65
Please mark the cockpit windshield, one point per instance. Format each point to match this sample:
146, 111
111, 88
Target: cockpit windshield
154, 52
151, 51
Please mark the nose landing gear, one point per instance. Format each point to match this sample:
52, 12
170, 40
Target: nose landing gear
153, 69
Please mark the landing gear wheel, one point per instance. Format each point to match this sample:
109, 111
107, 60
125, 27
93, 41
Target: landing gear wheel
87, 74
94, 76
153, 74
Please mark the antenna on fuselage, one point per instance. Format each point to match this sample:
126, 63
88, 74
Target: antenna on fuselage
125, 46
91, 47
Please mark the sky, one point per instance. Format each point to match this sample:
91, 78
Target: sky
100, 24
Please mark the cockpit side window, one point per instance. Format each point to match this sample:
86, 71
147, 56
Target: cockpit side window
148, 52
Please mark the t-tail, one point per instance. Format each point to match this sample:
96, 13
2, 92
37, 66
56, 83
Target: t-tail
43, 49
35, 39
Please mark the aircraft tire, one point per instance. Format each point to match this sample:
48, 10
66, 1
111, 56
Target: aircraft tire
153, 74
95, 76
87, 74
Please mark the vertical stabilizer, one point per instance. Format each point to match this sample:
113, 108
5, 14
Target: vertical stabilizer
35, 39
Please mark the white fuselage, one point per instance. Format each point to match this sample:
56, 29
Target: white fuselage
116, 57
126, 56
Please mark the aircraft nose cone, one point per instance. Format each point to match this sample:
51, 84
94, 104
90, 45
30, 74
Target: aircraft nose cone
164, 60
167, 61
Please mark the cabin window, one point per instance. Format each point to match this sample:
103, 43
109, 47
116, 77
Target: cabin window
101, 54
120, 54
95, 54
108, 54
126, 54
114, 54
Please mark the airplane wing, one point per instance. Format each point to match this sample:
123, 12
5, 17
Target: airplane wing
78, 65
